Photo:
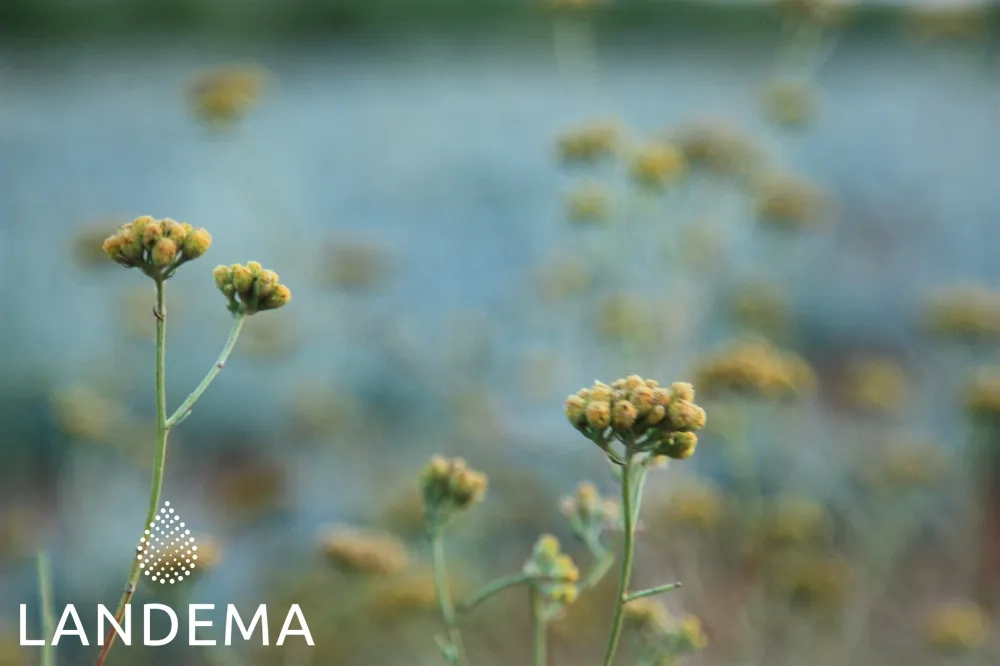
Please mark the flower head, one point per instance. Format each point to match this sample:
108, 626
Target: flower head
790, 102
658, 165
589, 143
449, 484
659, 636
223, 96
363, 551
156, 247
557, 572
956, 627
964, 312
589, 513
757, 369
251, 288
791, 203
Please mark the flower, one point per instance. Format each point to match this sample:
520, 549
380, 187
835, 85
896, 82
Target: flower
363, 551
640, 414
657, 165
251, 288
589, 513
694, 503
589, 143
156, 247
790, 102
589, 203
224, 95
963, 312
956, 627
660, 637
717, 146
754, 368
790, 202
875, 385
557, 572
448, 484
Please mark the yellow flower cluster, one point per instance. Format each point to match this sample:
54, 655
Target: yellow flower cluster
790, 202
967, 312
555, 570
588, 512
226, 94
693, 503
756, 369
662, 638
639, 413
717, 146
448, 484
657, 165
156, 247
790, 102
363, 551
875, 385
957, 627
588, 203
251, 288
982, 395
588, 144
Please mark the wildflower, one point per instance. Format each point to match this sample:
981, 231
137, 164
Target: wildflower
657, 165
790, 102
815, 581
956, 627
557, 572
762, 308
660, 637
795, 520
156, 247
363, 551
639, 413
448, 484
589, 143
982, 395
589, 203
905, 462
589, 513
251, 288
223, 96
267, 338
756, 369
87, 413
407, 593
717, 146
694, 503
965, 312
790, 202
563, 277
875, 385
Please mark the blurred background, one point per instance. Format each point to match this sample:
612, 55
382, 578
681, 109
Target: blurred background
481, 207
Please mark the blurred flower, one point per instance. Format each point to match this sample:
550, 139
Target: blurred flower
956, 627
819, 581
790, 102
562, 277
657, 165
717, 146
588, 203
408, 592
589, 143
906, 462
964, 312
645, 417
589, 513
223, 96
660, 637
356, 265
156, 247
693, 503
84, 412
623, 316
318, 410
876, 385
448, 484
250, 487
761, 308
982, 395
792, 521
267, 338
755, 369
560, 574
251, 288
790, 202
363, 551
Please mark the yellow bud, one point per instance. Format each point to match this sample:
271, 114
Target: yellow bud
112, 248
152, 232
197, 243
139, 225
682, 391
242, 278
174, 231
222, 276
278, 298
575, 406
598, 415
624, 415
642, 398
164, 252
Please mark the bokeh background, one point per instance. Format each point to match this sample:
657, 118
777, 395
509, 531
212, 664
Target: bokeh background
480, 208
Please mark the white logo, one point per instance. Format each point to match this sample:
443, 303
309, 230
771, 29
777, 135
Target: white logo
167, 551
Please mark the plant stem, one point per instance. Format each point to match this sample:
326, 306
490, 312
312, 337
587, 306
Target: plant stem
659, 589
47, 617
159, 460
492, 588
626, 571
234, 333
454, 651
538, 629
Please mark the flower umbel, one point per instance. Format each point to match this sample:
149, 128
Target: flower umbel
448, 484
251, 288
156, 247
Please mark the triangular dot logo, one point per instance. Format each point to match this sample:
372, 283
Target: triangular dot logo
167, 551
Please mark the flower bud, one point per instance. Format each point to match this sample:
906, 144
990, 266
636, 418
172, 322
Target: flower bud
624, 415
196, 243
682, 391
575, 408
598, 415
174, 231
152, 232
223, 277
164, 252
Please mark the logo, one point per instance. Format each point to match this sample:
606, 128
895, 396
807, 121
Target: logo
167, 554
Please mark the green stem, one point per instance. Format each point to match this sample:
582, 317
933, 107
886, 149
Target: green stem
626, 571
159, 461
600, 569
659, 589
538, 631
492, 588
454, 637
47, 617
234, 333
